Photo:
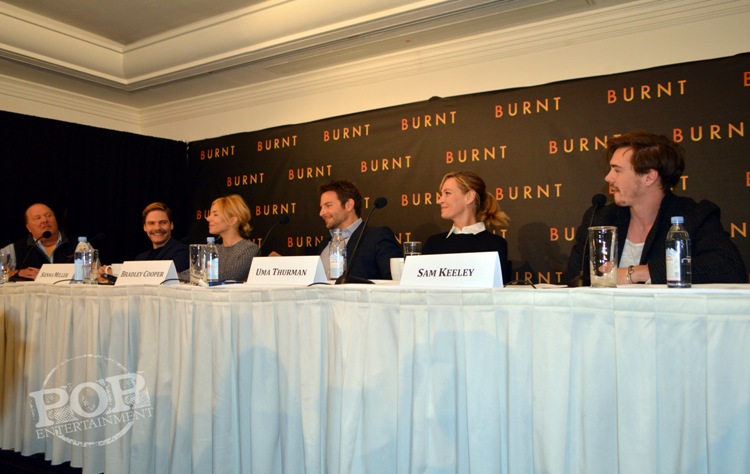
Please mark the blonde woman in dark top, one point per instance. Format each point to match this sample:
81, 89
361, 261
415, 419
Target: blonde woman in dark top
230, 219
464, 200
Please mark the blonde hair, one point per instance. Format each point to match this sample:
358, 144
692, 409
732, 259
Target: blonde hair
234, 206
486, 208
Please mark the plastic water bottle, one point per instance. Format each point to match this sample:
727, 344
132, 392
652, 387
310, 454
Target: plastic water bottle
212, 262
337, 254
679, 272
82, 261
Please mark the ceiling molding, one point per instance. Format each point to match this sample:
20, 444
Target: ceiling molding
511, 42
48, 96
289, 77
230, 40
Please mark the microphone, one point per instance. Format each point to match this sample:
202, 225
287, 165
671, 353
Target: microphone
46, 235
597, 201
283, 220
98, 239
111, 279
379, 203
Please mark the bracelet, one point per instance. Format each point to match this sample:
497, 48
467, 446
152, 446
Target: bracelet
630, 274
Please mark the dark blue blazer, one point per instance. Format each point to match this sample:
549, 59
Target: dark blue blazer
373, 258
715, 257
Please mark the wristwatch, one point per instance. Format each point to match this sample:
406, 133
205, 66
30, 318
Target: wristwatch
630, 274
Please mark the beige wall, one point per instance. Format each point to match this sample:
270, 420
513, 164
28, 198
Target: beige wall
607, 42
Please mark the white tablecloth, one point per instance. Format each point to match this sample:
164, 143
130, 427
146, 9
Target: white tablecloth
394, 380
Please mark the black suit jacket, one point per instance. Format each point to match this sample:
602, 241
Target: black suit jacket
715, 259
373, 258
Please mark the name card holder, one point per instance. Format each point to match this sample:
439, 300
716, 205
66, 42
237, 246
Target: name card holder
52, 273
147, 272
463, 270
290, 271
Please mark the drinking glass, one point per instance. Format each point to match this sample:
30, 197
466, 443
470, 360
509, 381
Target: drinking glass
412, 248
89, 267
197, 263
4, 267
603, 256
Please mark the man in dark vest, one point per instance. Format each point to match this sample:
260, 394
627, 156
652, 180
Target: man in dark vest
44, 244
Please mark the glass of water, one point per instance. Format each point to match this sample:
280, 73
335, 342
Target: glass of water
4, 267
603, 256
412, 248
197, 263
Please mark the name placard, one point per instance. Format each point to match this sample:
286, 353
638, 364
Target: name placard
52, 273
472, 270
286, 271
147, 272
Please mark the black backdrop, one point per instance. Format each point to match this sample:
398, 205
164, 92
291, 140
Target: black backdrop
538, 148
97, 181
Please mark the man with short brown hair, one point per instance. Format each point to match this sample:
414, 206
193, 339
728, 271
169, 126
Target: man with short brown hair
340, 208
158, 225
643, 169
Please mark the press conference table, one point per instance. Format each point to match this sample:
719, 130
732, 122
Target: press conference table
386, 379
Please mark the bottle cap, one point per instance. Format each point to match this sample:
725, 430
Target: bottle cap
677, 220
211, 240
82, 239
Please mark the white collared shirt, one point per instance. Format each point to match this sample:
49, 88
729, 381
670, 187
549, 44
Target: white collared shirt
469, 229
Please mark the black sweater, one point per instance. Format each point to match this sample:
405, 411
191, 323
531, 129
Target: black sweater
463, 243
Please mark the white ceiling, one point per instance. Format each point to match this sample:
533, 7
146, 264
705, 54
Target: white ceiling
143, 53
129, 21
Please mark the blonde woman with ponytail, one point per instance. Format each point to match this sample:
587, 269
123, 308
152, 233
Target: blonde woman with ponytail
230, 219
465, 201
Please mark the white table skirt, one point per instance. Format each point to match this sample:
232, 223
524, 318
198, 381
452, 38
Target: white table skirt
387, 379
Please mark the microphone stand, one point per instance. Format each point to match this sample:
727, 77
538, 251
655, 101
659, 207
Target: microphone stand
346, 278
597, 201
283, 220
46, 235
